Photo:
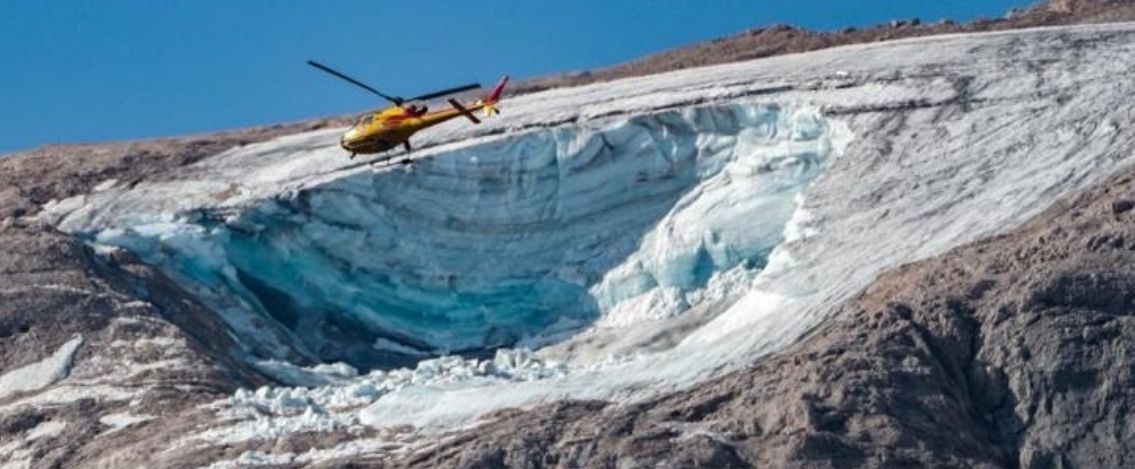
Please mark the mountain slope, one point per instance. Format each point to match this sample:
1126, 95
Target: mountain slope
137, 309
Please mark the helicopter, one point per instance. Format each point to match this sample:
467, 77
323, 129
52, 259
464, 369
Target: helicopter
382, 130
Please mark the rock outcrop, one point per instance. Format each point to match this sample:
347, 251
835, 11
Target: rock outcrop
94, 342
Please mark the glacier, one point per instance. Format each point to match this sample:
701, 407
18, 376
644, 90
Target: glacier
730, 209
520, 240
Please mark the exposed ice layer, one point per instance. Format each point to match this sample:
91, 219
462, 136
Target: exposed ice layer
492, 244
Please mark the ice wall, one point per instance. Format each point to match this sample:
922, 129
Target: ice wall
520, 239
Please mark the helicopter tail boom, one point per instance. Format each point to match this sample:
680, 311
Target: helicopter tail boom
464, 111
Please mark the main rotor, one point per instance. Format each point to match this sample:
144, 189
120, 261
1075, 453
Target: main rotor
396, 100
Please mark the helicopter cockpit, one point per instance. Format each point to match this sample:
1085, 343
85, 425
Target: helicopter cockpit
365, 119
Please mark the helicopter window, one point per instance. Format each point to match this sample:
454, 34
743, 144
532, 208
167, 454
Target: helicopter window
366, 119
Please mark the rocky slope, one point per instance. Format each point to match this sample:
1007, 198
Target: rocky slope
104, 342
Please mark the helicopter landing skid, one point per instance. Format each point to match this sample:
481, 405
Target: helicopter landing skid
406, 161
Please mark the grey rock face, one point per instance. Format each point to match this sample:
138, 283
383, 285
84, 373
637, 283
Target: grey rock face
134, 347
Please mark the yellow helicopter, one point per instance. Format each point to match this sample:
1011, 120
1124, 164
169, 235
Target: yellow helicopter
381, 130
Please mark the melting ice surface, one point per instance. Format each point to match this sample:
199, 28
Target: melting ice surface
515, 241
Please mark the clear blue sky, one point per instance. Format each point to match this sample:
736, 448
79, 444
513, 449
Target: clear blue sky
76, 71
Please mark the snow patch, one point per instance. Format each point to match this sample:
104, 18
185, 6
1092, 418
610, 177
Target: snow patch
41, 374
48, 429
119, 421
65, 394
107, 184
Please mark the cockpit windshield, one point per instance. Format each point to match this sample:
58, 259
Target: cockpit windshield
365, 119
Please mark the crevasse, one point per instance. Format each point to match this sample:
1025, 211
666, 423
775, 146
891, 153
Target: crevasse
518, 240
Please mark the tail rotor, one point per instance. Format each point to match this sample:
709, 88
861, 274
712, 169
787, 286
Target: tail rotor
488, 104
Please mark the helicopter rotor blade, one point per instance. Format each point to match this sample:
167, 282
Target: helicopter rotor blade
394, 99
456, 89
